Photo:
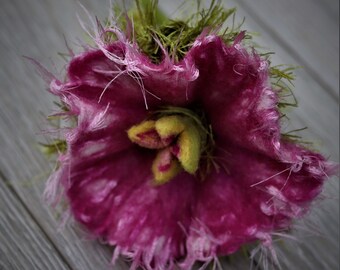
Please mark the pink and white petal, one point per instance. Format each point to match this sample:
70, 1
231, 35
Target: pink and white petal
234, 92
95, 78
115, 199
93, 68
100, 133
132, 80
257, 196
171, 82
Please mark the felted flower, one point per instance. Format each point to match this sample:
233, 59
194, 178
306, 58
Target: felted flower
177, 154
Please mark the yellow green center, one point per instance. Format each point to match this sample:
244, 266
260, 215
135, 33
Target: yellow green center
178, 140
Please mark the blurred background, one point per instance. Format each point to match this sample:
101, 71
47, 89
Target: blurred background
303, 33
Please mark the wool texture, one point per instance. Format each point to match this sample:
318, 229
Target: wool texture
261, 181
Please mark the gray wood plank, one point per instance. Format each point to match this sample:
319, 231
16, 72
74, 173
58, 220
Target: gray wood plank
28, 30
23, 245
305, 29
331, 7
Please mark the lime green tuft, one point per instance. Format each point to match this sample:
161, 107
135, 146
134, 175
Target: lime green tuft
55, 147
291, 136
176, 36
282, 77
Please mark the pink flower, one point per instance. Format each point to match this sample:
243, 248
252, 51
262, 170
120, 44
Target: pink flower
257, 183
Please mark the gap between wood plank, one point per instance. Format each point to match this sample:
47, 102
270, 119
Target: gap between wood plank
326, 86
7, 182
331, 7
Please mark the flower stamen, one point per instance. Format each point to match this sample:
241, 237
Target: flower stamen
179, 143
165, 166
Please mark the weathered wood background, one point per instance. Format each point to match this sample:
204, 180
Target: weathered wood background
303, 32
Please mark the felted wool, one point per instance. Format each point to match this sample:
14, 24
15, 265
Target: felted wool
261, 183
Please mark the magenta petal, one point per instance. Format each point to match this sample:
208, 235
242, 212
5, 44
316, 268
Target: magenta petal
93, 68
131, 81
99, 134
257, 196
115, 199
172, 82
235, 94
94, 77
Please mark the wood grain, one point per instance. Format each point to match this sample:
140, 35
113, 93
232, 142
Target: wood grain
306, 31
37, 29
23, 101
23, 245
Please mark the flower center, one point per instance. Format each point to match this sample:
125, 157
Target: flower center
179, 140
